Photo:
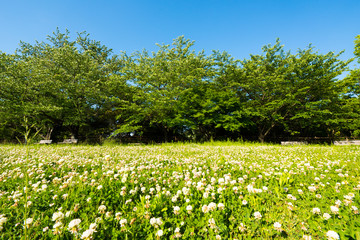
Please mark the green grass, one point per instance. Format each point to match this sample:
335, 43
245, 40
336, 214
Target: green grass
139, 183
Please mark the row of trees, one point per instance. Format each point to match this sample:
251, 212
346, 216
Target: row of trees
63, 87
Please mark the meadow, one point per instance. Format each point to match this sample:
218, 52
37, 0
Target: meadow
180, 191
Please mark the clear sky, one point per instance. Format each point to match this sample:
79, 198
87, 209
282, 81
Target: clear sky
238, 27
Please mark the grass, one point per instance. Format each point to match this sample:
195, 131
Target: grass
145, 192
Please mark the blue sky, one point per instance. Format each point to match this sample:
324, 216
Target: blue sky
238, 27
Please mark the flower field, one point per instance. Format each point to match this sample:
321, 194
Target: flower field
180, 191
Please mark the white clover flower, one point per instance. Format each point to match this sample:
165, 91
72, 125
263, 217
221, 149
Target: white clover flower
57, 228
250, 188
2, 220
57, 216
212, 223
257, 215
153, 221
87, 235
92, 226
326, 216
334, 209
221, 206
28, 221
307, 237
176, 210
244, 202
277, 226
218, 237
159, 233
242, 227
189, 208
205, 209
177, 233
73, 225
355, 209
331, 235
102, 208
123, 222
316, 210
212, 206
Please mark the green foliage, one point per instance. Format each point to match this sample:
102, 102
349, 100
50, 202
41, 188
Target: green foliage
79, 88
308, 190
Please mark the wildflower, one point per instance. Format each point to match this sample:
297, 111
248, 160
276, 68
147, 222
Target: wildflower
57, 216
221, 206
68, 213
57, 228
205, 209
334, 209
102, 208
123, 222
212, 206
176, 210
316, 210
212, 223
355, 209
107, 214
218, 237
331, 235
189, 208
312, 188
177, 233
92, 226
277, 226
338, 203
2, 221
28, 222
326, 216
307, 237
244, 202
159, 233
242, 227
87, 235
73, 225
257, 215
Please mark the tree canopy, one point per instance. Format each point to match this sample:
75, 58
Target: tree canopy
63, 87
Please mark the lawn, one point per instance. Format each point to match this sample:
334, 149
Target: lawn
185, 191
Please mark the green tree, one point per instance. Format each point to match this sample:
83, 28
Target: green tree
169, 84
351, 103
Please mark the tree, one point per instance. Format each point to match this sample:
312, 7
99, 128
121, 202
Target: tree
280, 88
351, 100
168, 84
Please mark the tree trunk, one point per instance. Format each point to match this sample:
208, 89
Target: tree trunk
261, 137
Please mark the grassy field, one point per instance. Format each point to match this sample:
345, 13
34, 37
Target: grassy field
185, 191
